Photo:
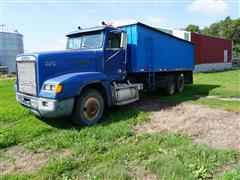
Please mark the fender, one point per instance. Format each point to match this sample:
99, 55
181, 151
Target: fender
73, 84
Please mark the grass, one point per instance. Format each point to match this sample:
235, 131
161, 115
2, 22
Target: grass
227, 82
111, 150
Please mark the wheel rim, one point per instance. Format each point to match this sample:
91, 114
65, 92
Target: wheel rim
181, 85
91, 109
172, 88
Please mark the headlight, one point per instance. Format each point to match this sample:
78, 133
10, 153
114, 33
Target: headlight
55, 88
48, 87
26, 58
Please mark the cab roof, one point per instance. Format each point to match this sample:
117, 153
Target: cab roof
92, 29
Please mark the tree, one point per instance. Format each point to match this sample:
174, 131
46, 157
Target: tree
213, 30
236, 33
193, 28
236, 51
227, 28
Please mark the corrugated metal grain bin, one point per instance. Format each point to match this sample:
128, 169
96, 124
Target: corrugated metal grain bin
211, 53
11, 45
153, 50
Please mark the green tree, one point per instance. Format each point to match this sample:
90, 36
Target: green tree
212, 30
236, 32
193, 28
236, 51
227, 28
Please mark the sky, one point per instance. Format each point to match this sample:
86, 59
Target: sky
44, 23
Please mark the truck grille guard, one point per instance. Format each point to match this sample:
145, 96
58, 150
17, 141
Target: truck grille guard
26, 75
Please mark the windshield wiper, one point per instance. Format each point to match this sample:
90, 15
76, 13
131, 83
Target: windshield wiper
85, 46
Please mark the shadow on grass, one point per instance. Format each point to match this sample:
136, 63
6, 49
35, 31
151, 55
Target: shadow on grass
155, 101
190, 93
152, 101
60, 123
112, 115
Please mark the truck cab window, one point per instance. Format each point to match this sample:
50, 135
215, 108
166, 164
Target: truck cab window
92, 40
114, 40
74, 43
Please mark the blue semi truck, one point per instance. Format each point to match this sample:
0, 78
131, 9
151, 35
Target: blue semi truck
101, 67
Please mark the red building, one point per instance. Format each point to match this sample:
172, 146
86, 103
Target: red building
211, 53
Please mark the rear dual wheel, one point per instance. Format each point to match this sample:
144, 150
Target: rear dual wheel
170, 86
89, 108
174, 84
179, 83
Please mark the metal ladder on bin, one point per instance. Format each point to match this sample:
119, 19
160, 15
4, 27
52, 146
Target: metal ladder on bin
151, 73
151, 81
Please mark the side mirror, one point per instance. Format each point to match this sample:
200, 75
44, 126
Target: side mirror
123, 43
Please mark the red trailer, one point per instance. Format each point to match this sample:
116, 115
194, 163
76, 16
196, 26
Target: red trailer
211, 53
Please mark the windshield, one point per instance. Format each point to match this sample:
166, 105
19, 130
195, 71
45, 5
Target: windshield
85, 41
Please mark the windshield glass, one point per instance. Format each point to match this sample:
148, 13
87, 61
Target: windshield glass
85, 41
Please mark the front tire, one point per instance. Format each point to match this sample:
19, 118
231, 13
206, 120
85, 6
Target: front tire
89, 108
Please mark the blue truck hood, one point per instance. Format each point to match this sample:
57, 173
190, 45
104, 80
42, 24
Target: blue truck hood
55, 63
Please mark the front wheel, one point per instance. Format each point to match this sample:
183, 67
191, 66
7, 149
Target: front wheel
89, 108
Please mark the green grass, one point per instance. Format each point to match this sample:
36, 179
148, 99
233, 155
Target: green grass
227, 82
232, 175
221, 84
111, 150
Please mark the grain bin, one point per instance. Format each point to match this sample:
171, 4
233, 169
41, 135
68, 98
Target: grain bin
11, 44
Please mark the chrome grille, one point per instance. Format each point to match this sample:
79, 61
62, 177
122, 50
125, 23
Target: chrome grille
27, 77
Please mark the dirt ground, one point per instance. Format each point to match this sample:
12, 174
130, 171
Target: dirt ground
216, 127
17, 159
139, 173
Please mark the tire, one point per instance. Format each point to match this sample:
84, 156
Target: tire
179, 83
170, 86
89, 108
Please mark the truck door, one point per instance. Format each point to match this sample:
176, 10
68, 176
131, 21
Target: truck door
115, 56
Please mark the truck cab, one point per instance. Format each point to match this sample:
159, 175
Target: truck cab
79, 81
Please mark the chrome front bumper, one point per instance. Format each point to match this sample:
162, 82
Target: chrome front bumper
47, 108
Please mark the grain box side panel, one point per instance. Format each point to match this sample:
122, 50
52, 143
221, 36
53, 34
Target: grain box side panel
153, 49
182, 54
132, 47
167, 51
